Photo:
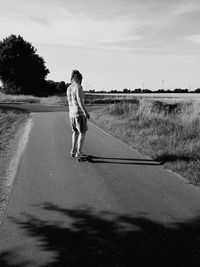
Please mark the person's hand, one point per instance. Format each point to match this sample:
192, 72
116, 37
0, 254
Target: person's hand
87, 115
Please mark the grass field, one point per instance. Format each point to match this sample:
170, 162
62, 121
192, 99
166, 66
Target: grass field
168, 132
95, 98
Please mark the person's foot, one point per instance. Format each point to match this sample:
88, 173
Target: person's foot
73, 153
80, 154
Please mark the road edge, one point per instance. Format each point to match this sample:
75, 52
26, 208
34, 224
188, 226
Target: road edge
20, 141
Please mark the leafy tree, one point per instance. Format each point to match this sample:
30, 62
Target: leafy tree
49, 88
179, 90
197, 90
146, 91
160, 91
137, 90
61, 87
22, 71
114, 91
126, 91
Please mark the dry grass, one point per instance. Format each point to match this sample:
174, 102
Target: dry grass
18, 98
51, 100
167, 132
10, 121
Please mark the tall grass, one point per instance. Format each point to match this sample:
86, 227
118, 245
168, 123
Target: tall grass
168, 132
50, 100
10, 123
5, 98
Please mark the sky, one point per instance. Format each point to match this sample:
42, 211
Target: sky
115, 44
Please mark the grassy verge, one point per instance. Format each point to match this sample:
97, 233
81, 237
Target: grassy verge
18, 98
10, 123
51, 100
167, 132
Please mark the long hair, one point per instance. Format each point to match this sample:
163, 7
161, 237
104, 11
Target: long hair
76, 76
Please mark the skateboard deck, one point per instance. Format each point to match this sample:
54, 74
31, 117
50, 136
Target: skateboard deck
83, 158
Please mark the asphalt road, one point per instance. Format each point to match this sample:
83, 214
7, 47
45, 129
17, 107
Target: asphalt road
119, 209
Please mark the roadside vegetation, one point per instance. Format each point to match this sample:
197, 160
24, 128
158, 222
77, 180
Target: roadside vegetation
167, 132
6, 98
10, 123
61, 99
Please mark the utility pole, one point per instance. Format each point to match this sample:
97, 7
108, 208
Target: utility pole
86, 86
162, 87
142, 86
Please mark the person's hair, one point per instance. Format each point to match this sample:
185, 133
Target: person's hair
76, 76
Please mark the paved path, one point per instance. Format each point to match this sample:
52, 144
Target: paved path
121, 209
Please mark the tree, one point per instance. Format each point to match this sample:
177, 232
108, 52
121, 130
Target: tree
49, 88
61, 87
146, 91
22, 71
179, 90
126, 91
137, 90
197, 90
160, 91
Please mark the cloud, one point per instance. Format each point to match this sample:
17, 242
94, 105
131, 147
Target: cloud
39, 20
185, 7
83, 31
194, 38
57, 25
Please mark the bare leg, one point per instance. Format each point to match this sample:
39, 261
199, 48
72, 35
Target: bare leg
81, 139
74, 141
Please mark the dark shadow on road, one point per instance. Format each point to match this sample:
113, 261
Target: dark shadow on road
10, 259
85, 237
173, 158
129, 161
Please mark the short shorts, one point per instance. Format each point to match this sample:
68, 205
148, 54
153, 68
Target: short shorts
79, 124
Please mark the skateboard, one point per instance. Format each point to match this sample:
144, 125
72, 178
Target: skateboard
83, 158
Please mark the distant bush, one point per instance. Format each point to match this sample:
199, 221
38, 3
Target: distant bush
166, 108
105, 100
120, 108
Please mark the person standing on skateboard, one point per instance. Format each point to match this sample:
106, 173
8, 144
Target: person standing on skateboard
77, 113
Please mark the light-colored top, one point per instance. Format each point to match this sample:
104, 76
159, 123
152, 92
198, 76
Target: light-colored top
74, 93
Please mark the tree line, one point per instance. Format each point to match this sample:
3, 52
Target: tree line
145, 91
23, 71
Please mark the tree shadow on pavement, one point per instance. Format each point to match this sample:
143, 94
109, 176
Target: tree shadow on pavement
108, 239
10, 259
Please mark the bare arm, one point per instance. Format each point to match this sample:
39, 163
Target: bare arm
79, 95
